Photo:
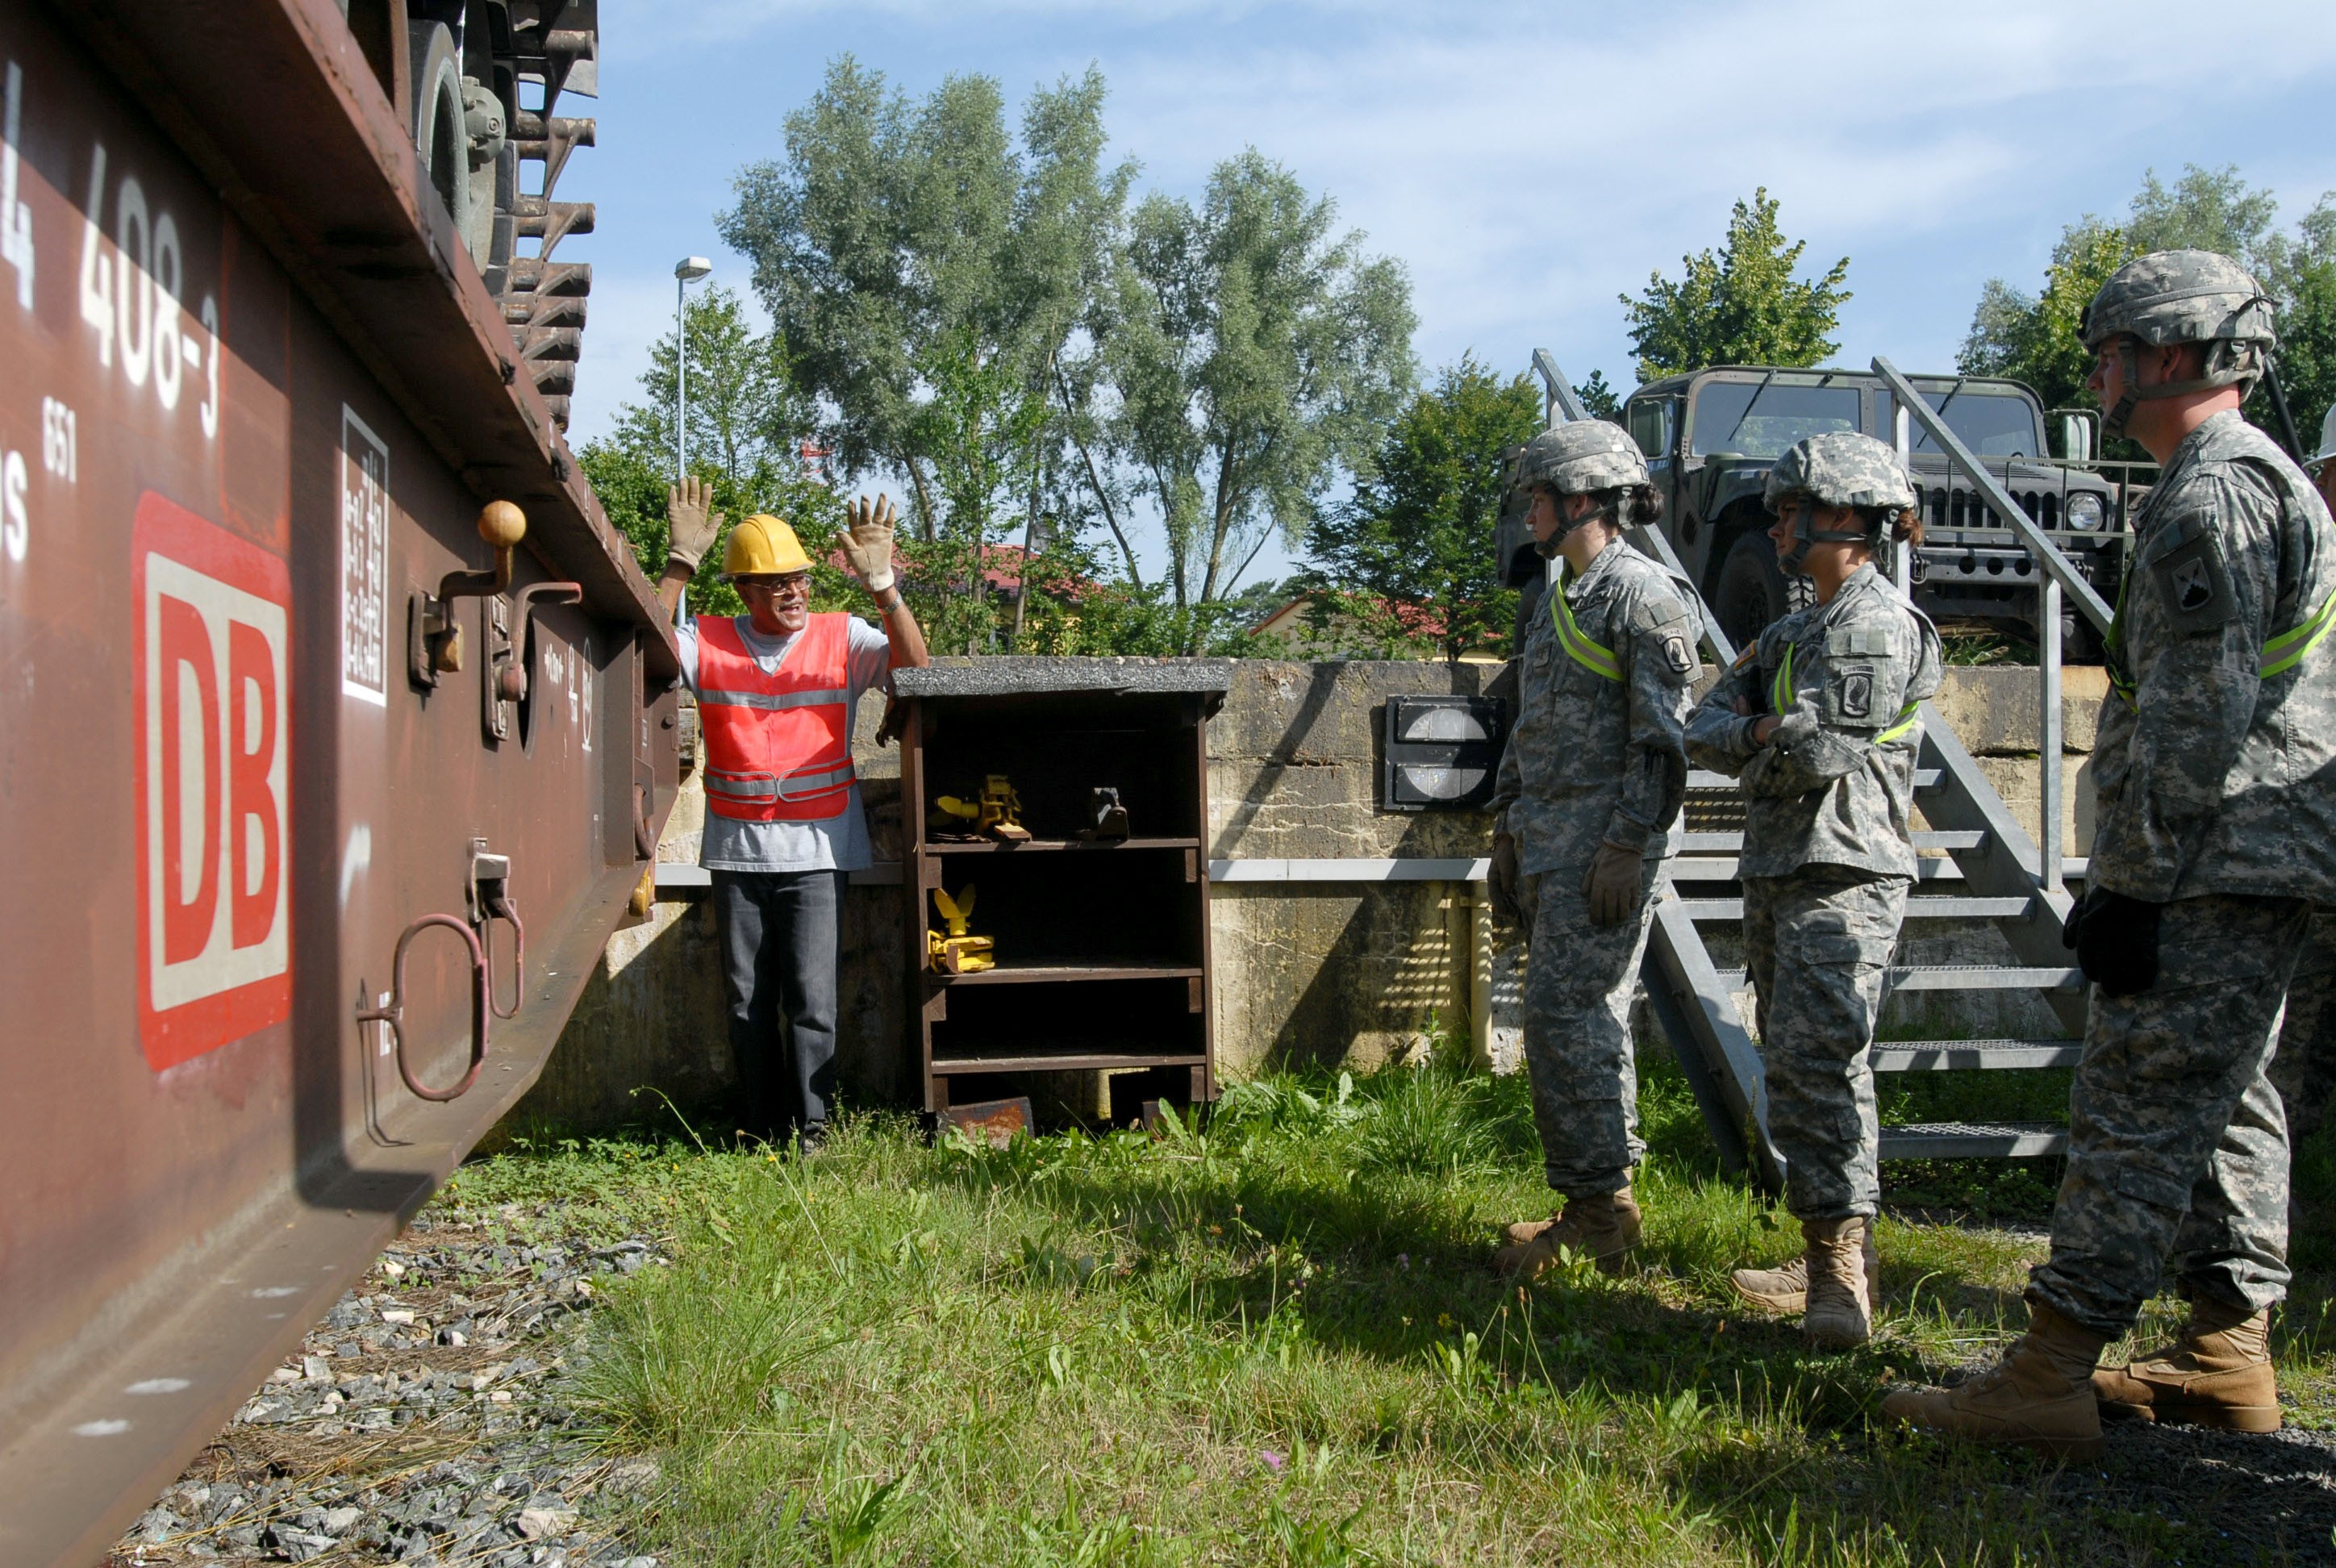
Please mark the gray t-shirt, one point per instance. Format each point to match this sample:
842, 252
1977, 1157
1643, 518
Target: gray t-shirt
839, 843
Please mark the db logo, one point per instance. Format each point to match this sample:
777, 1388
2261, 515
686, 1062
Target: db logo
214, 809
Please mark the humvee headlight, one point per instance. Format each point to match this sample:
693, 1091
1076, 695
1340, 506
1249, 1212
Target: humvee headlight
2085, 511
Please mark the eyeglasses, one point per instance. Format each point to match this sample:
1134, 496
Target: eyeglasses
794, 585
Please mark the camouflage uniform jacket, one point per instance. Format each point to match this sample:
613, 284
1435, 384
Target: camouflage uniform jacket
1598, 754
1835, 783
2213, 764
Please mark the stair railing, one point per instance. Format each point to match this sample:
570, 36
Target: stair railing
2059, 577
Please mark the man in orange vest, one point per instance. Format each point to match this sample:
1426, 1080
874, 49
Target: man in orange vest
776, 689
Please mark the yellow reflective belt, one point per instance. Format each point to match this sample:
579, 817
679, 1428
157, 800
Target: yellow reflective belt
1780, 690
1593, 656
1907, 718
2289, 649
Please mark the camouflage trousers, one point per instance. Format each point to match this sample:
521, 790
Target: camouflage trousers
2303, 1069
1817, 944
2177, 1147
1580, 978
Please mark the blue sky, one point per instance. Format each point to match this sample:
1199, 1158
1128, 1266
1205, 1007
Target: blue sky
1526, 163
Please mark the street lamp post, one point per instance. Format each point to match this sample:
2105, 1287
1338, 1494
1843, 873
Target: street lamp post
686, 271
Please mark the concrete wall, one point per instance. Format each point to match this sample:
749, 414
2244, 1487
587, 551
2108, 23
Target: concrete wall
1304, 973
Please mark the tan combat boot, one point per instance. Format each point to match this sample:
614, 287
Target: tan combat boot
1783, 1291
1603, 1228
2217, 1374
1835, 1316
2040, 1396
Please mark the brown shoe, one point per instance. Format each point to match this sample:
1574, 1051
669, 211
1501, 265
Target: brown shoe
2217, 1374
1836, 1316
1783, 1291
2039, 1397
1603, 1228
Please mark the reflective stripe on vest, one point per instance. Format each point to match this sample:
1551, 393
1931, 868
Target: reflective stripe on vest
1594, 656
1781, 697
778, 745
2281, 653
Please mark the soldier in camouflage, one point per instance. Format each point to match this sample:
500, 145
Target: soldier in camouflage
2216, 832
1818, 720
1592, 779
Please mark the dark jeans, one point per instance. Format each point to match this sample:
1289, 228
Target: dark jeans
781, 941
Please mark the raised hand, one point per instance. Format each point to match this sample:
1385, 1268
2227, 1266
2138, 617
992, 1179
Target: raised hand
692, 526
868, 541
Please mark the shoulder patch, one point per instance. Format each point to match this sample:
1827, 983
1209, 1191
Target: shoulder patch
2197, 586
1680, 655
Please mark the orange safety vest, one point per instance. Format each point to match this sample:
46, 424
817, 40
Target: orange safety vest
778, 746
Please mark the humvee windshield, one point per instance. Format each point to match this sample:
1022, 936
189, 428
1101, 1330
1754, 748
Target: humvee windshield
1762, 419
1991, 423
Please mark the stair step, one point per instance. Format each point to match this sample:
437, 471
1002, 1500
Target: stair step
1933, 908
1720, 843
1963, 1055
1722, 869
1959, 977
1972, 1139
1926, 778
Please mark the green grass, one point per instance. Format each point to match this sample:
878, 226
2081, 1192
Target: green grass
1279, 1341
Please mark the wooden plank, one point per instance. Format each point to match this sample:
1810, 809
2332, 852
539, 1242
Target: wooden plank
1049, 974
1047, 846
1064, 1062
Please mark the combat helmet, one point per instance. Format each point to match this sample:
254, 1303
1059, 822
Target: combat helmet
1584, 457
2174, 297
1838, 468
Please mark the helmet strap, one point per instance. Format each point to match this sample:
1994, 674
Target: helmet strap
1548, 548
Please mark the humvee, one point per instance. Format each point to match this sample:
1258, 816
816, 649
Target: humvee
1711, 436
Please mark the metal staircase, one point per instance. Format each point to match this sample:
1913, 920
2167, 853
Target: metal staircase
1978, 865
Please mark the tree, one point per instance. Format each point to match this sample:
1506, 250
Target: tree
1409, 560
925, 274
1253, 357
1741, 307
746, 426
2035, 337
1598, 399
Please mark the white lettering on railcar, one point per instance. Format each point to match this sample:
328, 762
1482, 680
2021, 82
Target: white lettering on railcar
15, 216
365, 563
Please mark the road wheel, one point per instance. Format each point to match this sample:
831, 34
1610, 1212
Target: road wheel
1752, 590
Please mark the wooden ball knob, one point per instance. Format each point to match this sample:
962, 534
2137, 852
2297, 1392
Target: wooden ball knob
501, 524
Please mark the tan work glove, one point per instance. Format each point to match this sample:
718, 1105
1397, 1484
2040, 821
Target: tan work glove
692, 527
868, 541
1504, 880
1611, 884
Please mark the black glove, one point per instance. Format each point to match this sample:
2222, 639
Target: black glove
1505, 879
2115, 938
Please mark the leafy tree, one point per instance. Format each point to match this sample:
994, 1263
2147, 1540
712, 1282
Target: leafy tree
2034, 338
1409, 558
925, 272
1254, 357
744, 426
1741, 307
1598, 399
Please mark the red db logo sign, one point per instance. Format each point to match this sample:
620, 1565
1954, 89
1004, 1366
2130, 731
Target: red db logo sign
212, 675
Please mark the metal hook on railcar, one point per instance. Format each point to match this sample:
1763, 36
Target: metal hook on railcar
490, 900
392, 1015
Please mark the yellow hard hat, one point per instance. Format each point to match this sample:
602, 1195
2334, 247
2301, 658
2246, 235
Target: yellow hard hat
763, 546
